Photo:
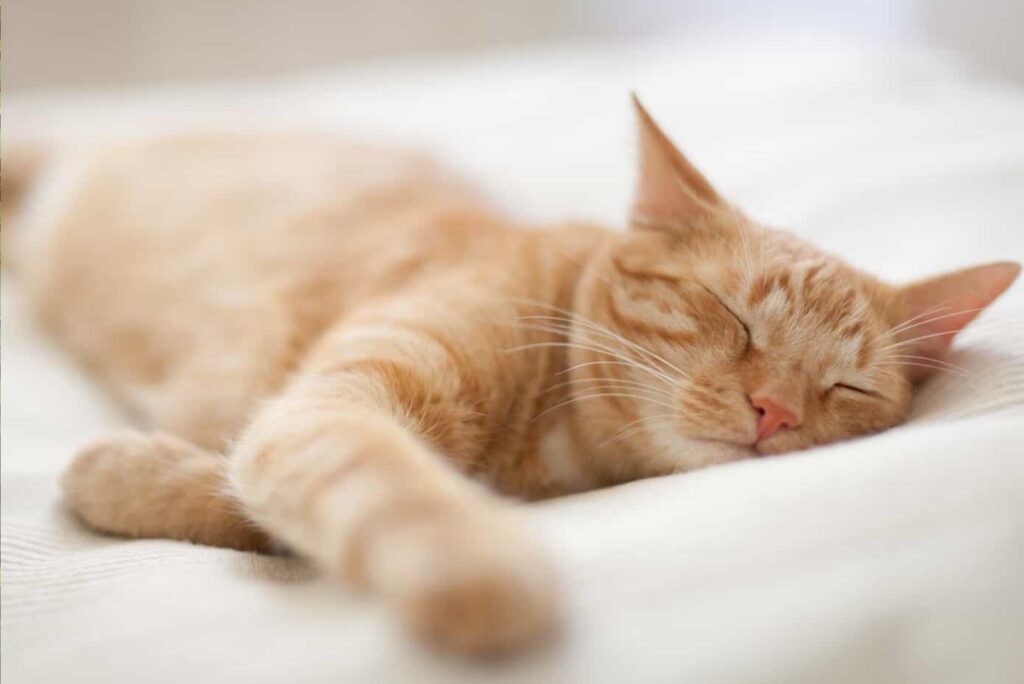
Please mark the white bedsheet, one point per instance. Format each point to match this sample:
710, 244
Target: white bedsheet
897, 558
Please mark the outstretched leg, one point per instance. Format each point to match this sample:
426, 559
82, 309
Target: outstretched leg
156, 485
352, 466
346, 467
358, 494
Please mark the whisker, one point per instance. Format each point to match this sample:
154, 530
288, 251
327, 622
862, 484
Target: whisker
635, 426
597, 346
571, 345
897, 345
929, 359
923, 365
927, 312
761, 264
937, 318
585, 364
607, 383
599, 395
974, 328
561, 327
747, 266
567, 328
572, 317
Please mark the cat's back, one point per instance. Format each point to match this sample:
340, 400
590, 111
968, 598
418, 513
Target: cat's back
232, 213
178, 189
152, 258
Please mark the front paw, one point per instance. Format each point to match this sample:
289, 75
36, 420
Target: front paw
471, 586
108, 479
158, 486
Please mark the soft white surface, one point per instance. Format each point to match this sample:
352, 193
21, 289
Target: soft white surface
897, 558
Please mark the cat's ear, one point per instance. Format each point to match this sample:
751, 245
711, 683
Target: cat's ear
936, 309
671, 193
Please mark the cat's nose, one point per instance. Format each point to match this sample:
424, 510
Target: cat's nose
772, 416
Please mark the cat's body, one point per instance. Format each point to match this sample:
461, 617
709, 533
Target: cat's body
252, 273
336, 345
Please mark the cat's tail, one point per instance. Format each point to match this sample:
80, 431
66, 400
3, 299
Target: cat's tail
21, 165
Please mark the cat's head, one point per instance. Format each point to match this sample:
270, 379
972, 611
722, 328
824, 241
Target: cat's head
716, 338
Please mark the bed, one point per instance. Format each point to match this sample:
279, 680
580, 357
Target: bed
894, 558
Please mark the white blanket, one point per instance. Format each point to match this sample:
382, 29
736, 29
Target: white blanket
896, 558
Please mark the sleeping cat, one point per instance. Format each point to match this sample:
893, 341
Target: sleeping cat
343, 350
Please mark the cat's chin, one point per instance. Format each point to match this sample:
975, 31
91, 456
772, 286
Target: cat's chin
690, 453
714, 452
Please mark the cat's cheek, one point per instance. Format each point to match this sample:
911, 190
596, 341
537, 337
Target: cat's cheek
853, 417
837, 418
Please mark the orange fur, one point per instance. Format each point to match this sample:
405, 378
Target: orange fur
367, 342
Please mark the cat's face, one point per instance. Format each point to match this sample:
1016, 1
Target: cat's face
717, 339
749, 344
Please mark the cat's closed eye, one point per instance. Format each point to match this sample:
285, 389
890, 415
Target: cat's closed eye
842, 386
748, 337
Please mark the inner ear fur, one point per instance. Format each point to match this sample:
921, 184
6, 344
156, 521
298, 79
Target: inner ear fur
671, 193
936, 309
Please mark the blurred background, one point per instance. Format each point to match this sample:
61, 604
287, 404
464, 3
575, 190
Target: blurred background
58, 44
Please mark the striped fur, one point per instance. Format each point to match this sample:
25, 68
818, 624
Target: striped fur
343, 350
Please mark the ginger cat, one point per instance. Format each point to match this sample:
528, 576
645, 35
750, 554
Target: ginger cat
336, 347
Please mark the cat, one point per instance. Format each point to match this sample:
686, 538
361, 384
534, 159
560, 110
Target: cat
343, 350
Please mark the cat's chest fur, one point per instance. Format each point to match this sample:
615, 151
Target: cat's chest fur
561, 459
551, 463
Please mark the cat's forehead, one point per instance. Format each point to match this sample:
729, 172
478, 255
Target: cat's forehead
819, 286
805, 276
813, 304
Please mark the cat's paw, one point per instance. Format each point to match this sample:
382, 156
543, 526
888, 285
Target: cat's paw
158, 486
108, 479
477, 586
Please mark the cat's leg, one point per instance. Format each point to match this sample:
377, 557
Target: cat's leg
156, 485
341, 467
352, 489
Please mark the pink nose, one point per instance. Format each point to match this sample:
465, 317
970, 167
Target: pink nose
772, 417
